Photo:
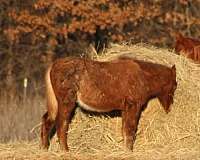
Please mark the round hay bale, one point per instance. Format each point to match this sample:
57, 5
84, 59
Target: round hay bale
175, 135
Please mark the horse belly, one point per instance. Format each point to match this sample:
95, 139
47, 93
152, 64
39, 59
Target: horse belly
97, 105
88, 107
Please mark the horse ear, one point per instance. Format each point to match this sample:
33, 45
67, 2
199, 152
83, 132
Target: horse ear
174, 67
174, 70
178, 36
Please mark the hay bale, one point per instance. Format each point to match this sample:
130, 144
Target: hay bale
168, 136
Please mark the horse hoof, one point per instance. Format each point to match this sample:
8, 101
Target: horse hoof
64, 149
45, 148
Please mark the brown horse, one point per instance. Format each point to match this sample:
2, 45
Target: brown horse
188, 47
122, 84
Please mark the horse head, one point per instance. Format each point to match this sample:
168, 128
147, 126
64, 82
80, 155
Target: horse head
167, 93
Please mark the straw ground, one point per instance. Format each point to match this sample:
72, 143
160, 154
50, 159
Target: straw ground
175, 135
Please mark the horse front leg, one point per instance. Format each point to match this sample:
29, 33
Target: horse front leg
130, 118
62, 123
46, 131
123, 121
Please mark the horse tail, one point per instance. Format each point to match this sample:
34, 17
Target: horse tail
52, 103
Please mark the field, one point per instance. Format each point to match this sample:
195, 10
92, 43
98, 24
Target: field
175, 135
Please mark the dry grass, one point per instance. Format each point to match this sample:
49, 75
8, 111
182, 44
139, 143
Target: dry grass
160, 136
18, 117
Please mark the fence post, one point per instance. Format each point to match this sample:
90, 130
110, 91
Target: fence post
25, 90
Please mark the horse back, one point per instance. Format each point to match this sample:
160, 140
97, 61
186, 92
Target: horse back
110, 83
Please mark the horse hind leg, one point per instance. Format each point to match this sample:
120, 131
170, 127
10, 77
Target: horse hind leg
62, 123
47, 131
130, 118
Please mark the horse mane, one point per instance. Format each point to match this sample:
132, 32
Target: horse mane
145, 65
